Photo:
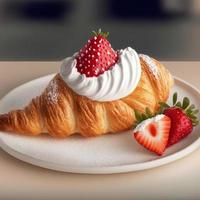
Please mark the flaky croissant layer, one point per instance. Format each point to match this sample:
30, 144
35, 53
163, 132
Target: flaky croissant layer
60, 112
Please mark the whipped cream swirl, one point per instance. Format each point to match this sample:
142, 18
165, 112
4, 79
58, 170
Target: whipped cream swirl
116, 83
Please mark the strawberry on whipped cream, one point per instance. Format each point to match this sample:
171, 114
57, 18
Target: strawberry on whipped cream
115, 83
99, 72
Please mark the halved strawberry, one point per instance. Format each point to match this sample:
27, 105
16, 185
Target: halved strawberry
153, 133
97, 56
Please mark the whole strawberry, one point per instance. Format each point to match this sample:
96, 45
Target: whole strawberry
97, 56
181, 125
183, 119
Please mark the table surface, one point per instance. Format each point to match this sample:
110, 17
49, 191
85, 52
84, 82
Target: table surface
19, 180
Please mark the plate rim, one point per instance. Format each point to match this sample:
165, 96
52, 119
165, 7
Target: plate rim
105, 169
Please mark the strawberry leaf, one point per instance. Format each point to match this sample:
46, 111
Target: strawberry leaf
193, 117
195, 111
178, 104
143, 116
186, 102
191, 107
99, 32
164, 105
138, 116
148, 112
195, 123
174, 98
188, 112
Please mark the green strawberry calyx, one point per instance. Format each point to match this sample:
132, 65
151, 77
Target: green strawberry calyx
99, 32
189, 109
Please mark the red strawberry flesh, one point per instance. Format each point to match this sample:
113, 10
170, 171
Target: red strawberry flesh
153, 129
96, 57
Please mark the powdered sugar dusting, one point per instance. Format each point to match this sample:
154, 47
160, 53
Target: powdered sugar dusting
52, 92
151, 64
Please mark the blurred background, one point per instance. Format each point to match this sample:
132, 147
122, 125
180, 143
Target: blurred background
52, 30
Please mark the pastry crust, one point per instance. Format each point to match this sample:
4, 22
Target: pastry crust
60, 112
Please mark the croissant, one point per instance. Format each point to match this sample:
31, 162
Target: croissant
60, 112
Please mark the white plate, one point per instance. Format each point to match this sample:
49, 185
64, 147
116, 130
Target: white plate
114, 153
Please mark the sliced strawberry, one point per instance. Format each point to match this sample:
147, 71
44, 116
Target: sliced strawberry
153, 133
97, 56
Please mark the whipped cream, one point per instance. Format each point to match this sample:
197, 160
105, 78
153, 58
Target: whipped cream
116, 83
